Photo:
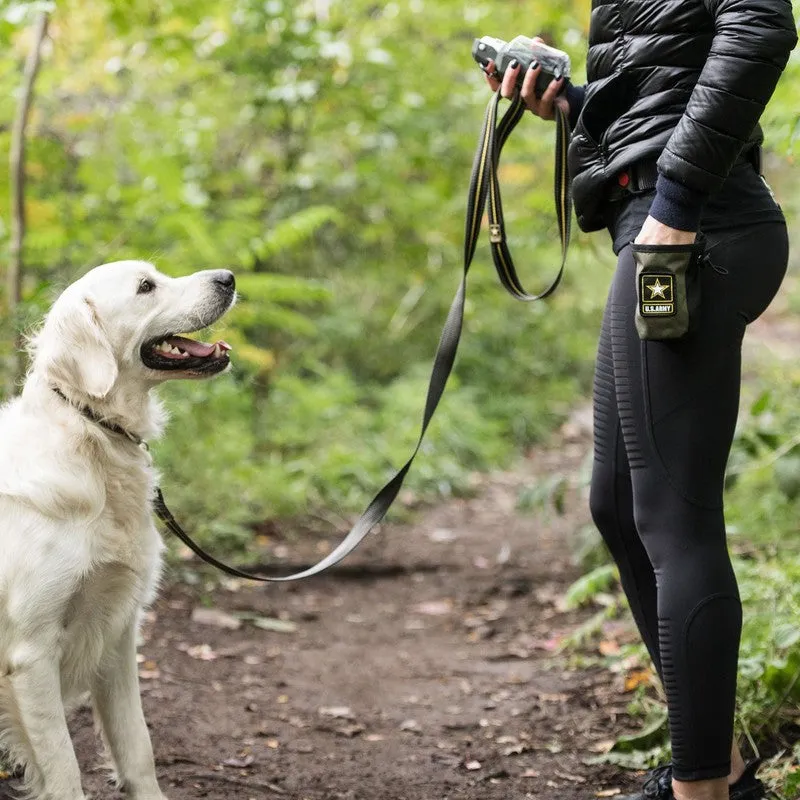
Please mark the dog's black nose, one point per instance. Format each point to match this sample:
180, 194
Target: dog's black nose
225, 278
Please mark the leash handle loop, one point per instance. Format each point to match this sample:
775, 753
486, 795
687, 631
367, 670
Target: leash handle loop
484, 186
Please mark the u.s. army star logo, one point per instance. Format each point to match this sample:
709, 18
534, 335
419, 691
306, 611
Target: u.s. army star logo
656, 295
658, 289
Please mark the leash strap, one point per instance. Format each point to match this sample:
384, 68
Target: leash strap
484, 185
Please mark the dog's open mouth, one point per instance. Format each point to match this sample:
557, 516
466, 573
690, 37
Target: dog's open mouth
185, 355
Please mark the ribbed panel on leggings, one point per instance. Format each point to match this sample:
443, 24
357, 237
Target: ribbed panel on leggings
620, 318
672, 688
605, 401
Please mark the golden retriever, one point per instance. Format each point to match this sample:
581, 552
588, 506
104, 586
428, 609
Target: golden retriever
80, 553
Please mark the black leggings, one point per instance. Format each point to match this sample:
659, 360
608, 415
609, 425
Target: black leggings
665, 414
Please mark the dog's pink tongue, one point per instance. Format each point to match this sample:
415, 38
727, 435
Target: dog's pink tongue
197, 349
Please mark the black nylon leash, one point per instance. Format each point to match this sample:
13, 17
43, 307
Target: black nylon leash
484, 185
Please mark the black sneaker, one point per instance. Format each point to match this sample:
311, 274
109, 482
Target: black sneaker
748, 787
658, 785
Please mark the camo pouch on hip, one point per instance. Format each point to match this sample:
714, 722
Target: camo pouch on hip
667, 289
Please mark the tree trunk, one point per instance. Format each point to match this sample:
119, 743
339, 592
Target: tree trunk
17, 174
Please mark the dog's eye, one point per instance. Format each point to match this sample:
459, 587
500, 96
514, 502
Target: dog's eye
145, 286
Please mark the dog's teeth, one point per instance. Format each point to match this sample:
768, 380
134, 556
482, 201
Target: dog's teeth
164, 347
175, 351
217, 351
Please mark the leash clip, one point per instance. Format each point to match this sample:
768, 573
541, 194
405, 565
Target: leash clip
496, 234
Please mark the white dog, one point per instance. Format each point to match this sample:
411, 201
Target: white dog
80, 553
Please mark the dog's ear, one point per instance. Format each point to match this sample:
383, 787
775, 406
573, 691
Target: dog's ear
76, 351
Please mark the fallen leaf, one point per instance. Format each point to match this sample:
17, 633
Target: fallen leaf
201, 652
149, 670
374, 737
547, 697
443, 535
608, 793
531, 773
568, 777
504, 555
602, 746
609, 648
239, 763
472, 765
637, 678
216, 618
336, 712
349, 731
274, 625
410, 725
448, 759
435, 608
273, 744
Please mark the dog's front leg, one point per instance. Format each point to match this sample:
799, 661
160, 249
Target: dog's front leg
36, 684
117, 702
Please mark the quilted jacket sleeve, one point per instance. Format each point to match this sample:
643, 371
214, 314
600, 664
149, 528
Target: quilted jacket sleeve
751, 45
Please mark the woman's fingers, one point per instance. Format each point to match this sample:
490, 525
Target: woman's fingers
528, 90
509, 86
493, 82
549, 95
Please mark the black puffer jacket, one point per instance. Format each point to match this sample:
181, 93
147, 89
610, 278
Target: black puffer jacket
684, 81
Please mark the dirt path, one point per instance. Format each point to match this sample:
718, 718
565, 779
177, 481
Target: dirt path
424, 669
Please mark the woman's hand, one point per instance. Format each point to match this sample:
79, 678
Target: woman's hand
655, 232
541, 106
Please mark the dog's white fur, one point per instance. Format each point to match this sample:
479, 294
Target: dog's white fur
80, 554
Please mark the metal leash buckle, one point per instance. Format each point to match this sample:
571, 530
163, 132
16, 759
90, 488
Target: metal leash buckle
495, 234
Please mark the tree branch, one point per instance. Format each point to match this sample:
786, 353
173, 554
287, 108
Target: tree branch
17, 174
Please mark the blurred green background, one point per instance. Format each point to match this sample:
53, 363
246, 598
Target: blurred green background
322, 151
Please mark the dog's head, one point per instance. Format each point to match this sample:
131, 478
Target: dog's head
125, 320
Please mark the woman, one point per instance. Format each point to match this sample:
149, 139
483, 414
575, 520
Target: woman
666, 145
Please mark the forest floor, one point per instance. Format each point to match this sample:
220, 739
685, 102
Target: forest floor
426, 667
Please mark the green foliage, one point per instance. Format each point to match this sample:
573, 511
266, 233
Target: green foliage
763, 512
296, 144
645, 749
301, 462
586, 588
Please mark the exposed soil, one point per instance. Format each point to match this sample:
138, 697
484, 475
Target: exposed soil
425, 668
